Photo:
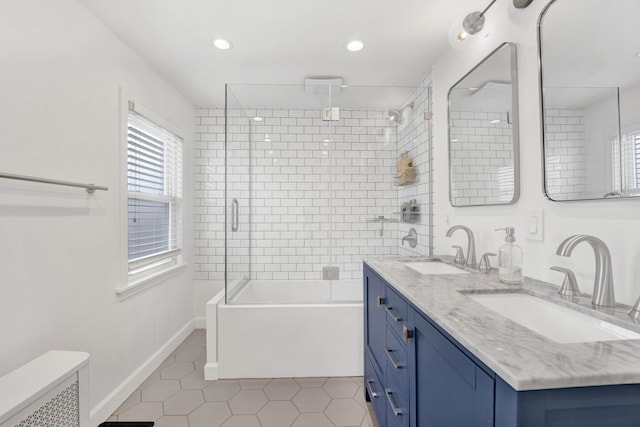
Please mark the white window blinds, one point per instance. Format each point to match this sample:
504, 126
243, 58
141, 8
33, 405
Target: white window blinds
154, 179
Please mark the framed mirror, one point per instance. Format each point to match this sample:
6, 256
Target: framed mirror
590, 80
483, 133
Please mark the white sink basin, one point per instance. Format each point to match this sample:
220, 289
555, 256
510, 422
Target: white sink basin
556, 322
434, 267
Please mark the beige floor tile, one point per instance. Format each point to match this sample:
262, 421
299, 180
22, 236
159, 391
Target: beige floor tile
311, 400
209, 414
190, 354
172, 421
152, 379
176, 395
254, 383
221, 390
312, 420
281, 389
194, 381
242, 421
160, 391
131, 401
167, 362
345, 412
199, 363
340, 388
278, 414
183, 402
310, 382
247, 402
177, 370
143, 411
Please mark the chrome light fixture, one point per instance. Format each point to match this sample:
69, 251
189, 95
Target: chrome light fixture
474, 22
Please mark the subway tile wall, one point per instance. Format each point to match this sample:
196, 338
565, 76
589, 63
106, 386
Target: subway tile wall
307, 190
481, 158
565, 153
415, 139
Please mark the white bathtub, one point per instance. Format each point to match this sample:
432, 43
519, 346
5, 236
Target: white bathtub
276, 329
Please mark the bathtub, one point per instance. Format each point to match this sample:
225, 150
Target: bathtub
283, 329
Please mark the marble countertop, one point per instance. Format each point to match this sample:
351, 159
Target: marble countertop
522, 358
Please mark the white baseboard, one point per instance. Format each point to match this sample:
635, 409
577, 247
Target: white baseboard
200, 322
109, 404
211, 371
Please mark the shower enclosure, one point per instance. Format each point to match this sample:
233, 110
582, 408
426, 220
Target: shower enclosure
311, 182
311, 187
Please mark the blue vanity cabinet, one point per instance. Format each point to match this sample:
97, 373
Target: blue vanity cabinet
375, 319
414, 374
386, 357
449, 388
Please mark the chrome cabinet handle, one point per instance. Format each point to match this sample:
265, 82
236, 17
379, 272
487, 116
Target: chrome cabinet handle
394, 316
372, 393
396, 411
407, 333
234, 214
381, 301
393, 359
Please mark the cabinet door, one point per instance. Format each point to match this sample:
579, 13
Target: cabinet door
375, 326
450, 389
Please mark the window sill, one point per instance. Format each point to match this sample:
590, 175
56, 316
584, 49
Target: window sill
140, 285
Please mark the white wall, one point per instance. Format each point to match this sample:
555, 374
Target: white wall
614, 221
60, 258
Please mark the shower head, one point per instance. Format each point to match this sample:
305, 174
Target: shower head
397, 116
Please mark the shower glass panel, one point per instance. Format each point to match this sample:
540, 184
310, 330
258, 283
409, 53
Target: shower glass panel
311, 186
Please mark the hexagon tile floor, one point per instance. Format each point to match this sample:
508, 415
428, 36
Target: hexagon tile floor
176, 395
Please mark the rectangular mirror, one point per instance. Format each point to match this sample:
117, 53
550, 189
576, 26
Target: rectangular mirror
590, 80
483, 133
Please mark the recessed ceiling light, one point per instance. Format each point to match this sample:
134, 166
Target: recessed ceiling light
222, 44
637, 54
257, 119
355, 46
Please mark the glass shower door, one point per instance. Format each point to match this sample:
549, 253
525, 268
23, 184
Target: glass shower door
237, 159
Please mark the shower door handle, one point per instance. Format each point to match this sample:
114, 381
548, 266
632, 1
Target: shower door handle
234, 215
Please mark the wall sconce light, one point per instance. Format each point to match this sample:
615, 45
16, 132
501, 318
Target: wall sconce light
474, 21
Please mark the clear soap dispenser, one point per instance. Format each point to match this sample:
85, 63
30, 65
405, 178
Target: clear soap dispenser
510, 259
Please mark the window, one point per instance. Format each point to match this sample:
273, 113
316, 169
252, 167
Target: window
626, 163
154, 207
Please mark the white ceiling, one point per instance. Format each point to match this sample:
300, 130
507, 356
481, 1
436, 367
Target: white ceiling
283, 41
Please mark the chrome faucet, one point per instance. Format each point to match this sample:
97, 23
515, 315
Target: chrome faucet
603, 295
471, 250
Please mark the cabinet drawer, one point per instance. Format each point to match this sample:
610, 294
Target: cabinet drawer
397, 312
397, 361
375, 390
396, 402
375, 318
